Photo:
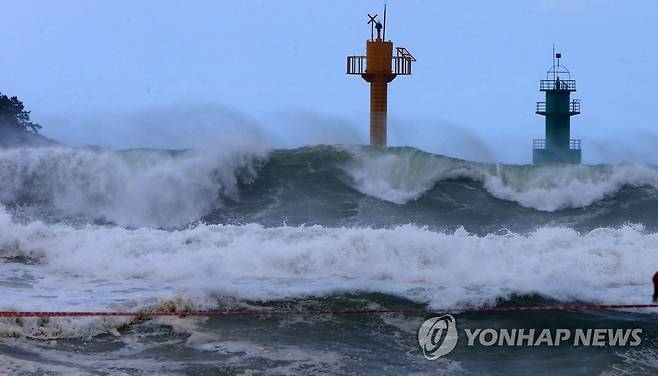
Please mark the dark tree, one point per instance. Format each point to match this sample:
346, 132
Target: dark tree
13, 114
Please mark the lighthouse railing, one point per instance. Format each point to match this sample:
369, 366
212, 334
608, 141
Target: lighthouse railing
356, 64
569, 85
574, 107
540, 144
402, 65
359, 65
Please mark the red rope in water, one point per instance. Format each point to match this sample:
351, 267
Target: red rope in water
593, 307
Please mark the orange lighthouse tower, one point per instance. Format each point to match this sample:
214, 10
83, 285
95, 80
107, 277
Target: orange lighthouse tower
379, 67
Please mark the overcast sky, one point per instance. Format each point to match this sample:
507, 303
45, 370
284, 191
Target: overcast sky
124, 73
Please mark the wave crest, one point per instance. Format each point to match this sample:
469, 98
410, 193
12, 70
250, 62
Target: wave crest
157, 188
99, 267
400, 175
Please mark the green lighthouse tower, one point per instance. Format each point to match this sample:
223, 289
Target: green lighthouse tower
558, 108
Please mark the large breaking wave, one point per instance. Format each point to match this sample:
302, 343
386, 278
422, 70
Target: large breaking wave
133, 187
86, 229
63, 267
330, 185
406, 174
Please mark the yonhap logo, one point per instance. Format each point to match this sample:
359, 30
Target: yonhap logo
438, 336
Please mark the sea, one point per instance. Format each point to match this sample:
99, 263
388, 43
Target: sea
317, 229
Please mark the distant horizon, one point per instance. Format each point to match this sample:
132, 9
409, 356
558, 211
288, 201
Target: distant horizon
171, 75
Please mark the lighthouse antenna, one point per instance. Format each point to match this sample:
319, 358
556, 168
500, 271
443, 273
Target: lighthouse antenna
554, 73
372, 26
384, 32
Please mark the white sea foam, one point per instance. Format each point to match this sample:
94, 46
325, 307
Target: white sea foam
405, 174
134, 188
96, 267
158, 188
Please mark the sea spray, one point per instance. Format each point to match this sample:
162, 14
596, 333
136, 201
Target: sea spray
142, 187
241, 182
400, 175
98, 267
